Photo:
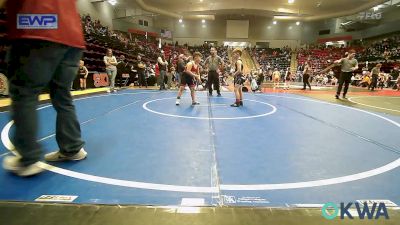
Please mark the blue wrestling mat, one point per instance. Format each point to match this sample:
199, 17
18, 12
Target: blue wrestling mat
276, 151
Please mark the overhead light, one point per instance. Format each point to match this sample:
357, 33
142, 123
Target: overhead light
376, 8
203, 20
285, 17
291, 1
298, 23
112, 2
274, 22
290, 27
180, 20
201, 0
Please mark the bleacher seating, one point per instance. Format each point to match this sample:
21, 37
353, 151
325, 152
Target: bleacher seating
271, 58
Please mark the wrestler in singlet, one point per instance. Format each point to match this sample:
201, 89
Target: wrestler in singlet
239, 79
187, 79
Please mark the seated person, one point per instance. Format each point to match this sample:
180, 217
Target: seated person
365, 82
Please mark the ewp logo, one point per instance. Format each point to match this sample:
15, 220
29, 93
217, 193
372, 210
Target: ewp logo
37, 21
375, 212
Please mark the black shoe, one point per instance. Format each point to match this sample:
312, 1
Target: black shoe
303, 89
195, 103
210, 94
241, 103
344, 96
235, 105
337, 96
219, 95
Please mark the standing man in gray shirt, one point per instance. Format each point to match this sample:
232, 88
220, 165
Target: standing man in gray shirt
375, 75
213, 64
163, 67
349, 65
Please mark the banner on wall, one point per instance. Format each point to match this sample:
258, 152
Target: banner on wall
100, 80
167, 34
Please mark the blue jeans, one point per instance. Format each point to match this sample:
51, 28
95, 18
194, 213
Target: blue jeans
161, 81
178, 77
34, 65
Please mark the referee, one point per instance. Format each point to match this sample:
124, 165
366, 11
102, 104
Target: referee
213, 63
349, 65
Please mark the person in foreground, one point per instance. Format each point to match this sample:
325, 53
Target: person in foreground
43, 56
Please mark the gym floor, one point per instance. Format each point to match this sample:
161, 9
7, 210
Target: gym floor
287, 149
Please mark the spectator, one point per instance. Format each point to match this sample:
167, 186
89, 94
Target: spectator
111, 69
375, 75
140, 68
122, 68
83, 73
162, 66
39, 59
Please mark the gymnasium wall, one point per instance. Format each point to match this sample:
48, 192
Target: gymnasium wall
124, 25
260, 30
133, 15
102, 11
388, 24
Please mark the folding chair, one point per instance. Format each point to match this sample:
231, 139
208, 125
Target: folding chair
124, 79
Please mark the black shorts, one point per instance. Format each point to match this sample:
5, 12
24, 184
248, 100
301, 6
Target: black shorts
188, 80
81, 76
239, 79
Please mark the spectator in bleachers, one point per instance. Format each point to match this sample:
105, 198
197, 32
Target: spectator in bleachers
334, 81
382, 80
111, 69
272, 58
366, 81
